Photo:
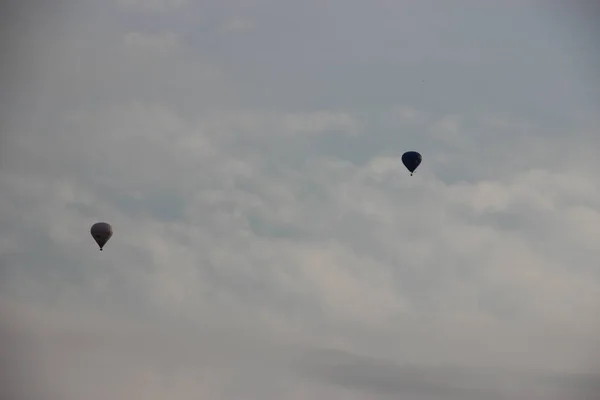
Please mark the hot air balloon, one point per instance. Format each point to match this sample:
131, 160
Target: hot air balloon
411, 160
101, 232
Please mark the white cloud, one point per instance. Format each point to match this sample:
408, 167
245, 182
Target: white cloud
408, 115
448, 130
334, 253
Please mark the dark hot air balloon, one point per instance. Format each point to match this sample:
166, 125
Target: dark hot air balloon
101, 232
411, 160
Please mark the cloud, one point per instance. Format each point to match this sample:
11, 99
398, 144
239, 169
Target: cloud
237, 24
275, 247
126, 358
163, 44
153, 5
380, 377
232, 218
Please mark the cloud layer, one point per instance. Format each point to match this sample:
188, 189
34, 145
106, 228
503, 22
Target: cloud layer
268, 242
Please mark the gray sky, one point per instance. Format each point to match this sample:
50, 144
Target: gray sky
268, 242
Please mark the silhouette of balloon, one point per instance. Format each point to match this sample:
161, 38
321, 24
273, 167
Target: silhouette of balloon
411, 160
101, 232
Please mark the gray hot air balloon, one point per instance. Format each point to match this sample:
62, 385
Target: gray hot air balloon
101, 232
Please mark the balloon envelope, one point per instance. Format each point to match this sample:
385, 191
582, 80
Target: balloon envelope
411, 160
101, 232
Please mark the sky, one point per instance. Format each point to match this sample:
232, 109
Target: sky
268, 242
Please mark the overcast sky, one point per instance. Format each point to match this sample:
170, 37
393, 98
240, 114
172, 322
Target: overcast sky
268, 243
